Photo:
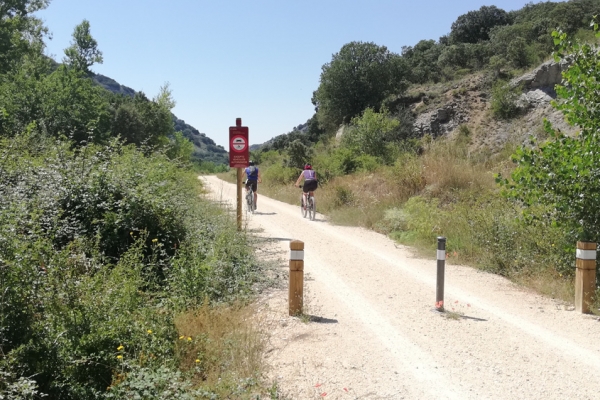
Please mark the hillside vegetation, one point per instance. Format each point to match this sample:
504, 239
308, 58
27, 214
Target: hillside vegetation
117, 279
205, 150
442, 144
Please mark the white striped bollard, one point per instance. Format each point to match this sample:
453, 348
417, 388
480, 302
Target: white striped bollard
441, 267
296, 291
585, 275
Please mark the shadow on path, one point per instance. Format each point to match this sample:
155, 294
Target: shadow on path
321, 320
473, 318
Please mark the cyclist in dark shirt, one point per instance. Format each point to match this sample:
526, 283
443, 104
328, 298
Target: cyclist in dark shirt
252, 180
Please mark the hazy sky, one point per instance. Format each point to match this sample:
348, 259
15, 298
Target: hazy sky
254, 59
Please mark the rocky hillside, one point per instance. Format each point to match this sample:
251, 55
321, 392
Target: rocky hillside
440, 108
205, 149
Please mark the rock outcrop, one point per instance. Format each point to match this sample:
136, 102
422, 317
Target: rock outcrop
544, 77
538, 85
442, 120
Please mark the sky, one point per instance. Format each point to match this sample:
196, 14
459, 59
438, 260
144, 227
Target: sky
258, 60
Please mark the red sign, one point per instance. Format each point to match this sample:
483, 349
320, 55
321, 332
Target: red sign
239, 154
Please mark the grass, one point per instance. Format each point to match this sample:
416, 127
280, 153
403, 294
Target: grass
222, 347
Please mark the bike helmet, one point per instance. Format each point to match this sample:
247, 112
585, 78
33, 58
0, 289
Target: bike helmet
251, 162
307, 166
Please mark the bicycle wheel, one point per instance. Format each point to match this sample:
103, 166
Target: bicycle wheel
250, 201
303, 209
312, 210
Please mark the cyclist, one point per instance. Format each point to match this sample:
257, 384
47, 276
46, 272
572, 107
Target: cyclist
252, 180
310, 181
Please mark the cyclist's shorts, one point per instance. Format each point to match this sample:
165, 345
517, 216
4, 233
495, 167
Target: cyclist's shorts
310, 186
252, 184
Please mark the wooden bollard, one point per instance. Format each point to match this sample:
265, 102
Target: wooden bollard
296, 292
585, 276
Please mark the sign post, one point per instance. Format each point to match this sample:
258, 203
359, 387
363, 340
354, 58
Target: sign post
239, 156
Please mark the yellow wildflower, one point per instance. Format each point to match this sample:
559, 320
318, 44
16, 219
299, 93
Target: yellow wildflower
181, 337
149, 331
119, 356
120, 348
189, 339
197, 360
154, 240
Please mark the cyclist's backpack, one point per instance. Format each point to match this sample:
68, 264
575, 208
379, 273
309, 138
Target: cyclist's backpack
253, 171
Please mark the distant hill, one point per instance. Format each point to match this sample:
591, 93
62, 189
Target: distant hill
205, 148
112, 85
280, 141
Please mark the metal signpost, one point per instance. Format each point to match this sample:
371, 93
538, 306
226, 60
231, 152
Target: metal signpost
239, 156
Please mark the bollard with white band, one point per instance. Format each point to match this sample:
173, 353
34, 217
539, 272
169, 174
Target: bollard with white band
585, 275
296, 292
441, 269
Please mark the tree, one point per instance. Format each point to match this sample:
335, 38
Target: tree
20, 33
422, 61
475, 26
518, 53
361, 75
571, 16
141, 121
314, 132
83, 52
372, 134
73, 106
298, 154
563, 175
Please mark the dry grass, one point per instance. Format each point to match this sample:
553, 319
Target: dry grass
222, 345
548, 283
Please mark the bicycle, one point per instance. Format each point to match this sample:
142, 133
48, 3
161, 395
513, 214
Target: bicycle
250, 205
311, 206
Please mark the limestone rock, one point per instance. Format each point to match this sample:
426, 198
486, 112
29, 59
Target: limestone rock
545, 76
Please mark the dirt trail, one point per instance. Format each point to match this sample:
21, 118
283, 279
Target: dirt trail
377, 337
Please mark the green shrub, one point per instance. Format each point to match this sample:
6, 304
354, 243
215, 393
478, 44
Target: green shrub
343, 161
367, 163
407, 172
99, 248
504, 100
159, 383
343, 196
276, 174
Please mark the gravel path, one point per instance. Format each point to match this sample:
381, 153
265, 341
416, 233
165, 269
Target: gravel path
375, 336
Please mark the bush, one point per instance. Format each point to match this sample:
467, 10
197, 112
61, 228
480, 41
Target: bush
372, 134
160, 383
343, 196
504, 100
99, 248
279, 175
